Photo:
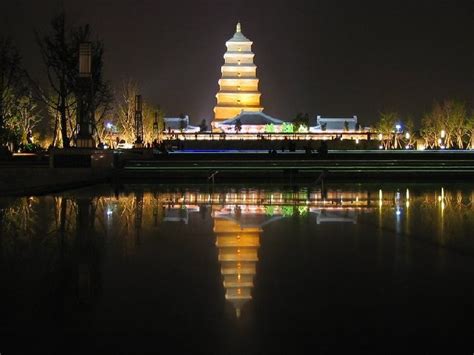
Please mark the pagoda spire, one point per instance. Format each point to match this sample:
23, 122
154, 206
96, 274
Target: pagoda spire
238, 28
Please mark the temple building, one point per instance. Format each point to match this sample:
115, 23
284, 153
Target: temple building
238, 87
251, 122
344, 124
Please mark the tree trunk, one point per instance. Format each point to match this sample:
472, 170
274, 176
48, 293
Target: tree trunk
62, 112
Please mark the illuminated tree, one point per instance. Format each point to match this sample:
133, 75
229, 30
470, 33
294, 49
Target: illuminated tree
27, 115
386, 128
300, 120
409, 137
11, 85
446, 125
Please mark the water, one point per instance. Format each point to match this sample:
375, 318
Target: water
238, 269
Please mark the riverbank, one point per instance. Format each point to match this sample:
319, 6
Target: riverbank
80, 168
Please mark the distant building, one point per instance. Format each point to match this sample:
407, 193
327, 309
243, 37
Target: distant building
178, 125
251, 122
339, 124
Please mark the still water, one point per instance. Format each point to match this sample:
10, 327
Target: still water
238, 269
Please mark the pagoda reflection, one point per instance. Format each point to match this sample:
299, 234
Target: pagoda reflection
238, 229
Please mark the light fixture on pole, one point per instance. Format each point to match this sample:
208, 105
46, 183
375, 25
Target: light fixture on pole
85, 111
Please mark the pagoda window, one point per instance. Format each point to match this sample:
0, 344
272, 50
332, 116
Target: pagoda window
238, 62
238, 87
238, 74
240, 49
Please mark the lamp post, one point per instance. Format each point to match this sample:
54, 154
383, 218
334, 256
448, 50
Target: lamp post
138, 122
155, 127
85, 111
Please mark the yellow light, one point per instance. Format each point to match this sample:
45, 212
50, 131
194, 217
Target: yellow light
408, 194
443, 133
380, 136
407, 135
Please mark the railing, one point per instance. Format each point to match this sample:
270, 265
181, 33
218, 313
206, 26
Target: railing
359, 135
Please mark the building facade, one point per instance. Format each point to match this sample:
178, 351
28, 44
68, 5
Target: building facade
333, 124
238, 86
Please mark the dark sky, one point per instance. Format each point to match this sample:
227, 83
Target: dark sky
334, 58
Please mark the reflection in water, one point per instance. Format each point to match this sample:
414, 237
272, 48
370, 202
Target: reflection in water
66, 235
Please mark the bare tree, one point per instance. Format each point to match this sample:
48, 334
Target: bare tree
60, 53
11, 78
58, 57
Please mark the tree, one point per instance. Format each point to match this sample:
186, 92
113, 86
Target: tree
238, 125
300, 120
385, 128
409, 138
11, 85
27, 115
60, 52
447, 125
57, 53
125, 110
203, 126
149, 111
346, 126
182, 122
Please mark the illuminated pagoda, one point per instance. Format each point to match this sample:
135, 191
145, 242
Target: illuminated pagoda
238, 87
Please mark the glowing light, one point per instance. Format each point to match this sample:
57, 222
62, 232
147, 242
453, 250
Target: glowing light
408, 194
380, 136
357, 140
443, 133
407, 135
398, 212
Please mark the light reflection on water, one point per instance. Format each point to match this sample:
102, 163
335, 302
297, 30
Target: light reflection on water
80, 241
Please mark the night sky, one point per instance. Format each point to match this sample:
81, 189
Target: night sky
334, 58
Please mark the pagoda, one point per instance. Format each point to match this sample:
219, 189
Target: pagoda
238, 87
